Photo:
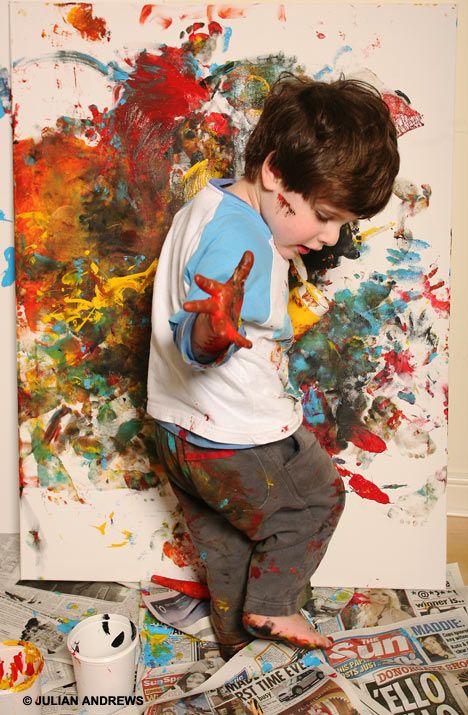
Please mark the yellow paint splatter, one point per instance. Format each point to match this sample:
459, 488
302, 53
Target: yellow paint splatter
128, 536
100, 527
222, 605
109, 292
364, 235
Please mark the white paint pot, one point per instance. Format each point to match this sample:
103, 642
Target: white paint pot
103, 649
21, 664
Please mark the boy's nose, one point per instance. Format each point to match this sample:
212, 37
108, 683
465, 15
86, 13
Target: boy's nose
331, 234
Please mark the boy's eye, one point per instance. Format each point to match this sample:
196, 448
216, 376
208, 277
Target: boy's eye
321, 217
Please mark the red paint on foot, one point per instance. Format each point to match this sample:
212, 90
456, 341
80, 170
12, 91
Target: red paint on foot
255, 572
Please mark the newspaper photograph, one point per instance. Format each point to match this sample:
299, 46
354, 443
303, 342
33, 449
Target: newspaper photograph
189, 615
419, 666
335, 609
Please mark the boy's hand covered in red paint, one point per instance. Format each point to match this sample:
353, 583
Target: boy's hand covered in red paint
216, 326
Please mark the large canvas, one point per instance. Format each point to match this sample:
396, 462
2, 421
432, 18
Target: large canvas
121, 113
9, 520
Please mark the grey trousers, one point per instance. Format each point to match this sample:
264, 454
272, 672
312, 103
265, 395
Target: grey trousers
261, 519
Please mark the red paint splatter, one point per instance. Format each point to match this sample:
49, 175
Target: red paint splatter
441, 306
400, 361
255, 572
189, 588
181, 551
365, 488
228, 12
89, 27
367, 440
273, 568
320, 35
212, 454
2, 670
359, 598
18, 661
146, 11
293, 570
405, 117
282, 13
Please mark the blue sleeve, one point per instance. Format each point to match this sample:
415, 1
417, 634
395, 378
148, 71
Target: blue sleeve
222, 245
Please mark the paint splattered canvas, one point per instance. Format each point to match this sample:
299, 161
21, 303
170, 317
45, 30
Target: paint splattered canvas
122, 112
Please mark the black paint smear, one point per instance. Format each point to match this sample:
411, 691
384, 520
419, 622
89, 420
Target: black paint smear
118, 640
105, 624
134, 630
316, 262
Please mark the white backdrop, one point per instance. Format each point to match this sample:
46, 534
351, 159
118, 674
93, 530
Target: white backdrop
374, 532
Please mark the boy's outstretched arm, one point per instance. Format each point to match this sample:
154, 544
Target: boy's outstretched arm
218, 316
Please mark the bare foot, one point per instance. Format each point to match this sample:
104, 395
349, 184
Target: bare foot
294, 629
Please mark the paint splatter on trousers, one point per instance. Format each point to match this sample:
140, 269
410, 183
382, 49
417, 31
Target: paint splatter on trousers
261, 519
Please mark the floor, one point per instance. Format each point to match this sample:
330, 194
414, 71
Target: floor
457, 543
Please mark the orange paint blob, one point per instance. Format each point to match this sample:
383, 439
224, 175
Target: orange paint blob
89, 27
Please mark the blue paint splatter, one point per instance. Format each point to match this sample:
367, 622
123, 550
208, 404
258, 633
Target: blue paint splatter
321, 73
4, 218
407, 396
9, 274
67, 627
227, 38
343, 50
266, 667
309, 659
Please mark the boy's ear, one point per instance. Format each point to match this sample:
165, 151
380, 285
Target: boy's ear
271, 177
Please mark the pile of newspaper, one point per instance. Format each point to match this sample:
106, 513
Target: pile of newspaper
403, 652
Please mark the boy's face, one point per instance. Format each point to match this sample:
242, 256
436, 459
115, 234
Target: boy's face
298, 226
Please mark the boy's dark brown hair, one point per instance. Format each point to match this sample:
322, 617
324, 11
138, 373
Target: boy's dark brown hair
331, 141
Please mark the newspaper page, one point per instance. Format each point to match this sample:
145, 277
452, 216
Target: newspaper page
419, 666
74, 600
335, 609
9, 559
21, 623
189, 615
296, 688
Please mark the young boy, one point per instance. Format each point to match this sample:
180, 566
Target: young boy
260, 496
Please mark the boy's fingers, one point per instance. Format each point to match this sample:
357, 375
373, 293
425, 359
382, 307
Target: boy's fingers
200, 306
209, 285
242, 342
244, 267
237, 338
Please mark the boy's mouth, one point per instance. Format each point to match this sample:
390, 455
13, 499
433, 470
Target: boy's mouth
303, 249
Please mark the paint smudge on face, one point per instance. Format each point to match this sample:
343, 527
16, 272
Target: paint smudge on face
89, 27
285, 206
